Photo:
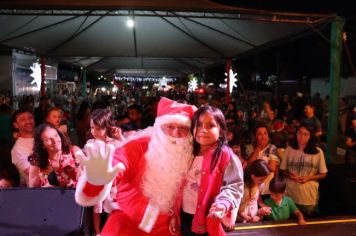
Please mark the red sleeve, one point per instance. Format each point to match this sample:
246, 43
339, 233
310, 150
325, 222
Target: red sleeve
91, 190
131, 153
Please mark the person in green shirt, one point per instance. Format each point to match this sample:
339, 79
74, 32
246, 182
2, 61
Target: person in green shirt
281, 206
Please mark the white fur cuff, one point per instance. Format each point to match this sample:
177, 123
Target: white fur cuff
180, 119
84, 200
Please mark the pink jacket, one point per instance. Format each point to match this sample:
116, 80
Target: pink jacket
223, 185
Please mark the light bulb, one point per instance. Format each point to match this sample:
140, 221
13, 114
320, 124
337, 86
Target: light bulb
130, 23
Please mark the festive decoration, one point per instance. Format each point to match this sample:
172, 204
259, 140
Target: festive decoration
233, 80
192, 84
144, 79
163, 82
271, 80
36, 75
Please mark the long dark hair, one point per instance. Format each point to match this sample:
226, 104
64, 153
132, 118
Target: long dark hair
40, 155
258, 168
222, 140
310, 148
103, 118
84, 105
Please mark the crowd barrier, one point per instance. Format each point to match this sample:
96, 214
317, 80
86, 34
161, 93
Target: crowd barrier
53, 211
326, 226
40, 212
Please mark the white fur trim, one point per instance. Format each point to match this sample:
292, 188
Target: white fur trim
84, 200
180, 119
109, 206
149, 218
167, 160
147, 132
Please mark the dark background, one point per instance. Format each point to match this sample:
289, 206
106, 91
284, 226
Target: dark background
307, 56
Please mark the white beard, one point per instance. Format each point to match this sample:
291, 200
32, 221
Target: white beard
167, 162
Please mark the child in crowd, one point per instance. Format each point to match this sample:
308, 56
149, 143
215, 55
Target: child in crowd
5, 183
54, 117
5, 180
102, 127
214, 182
281, 206
254, 176
238, 146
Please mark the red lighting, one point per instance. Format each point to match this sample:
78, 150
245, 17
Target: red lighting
200, 91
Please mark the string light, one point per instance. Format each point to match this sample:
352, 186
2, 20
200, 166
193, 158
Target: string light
144, 79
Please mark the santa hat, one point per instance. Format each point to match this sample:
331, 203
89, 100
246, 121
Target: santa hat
169, 111
278, 126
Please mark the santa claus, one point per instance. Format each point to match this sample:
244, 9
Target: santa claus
149, 171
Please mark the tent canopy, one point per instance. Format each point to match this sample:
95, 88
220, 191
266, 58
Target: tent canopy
169, 38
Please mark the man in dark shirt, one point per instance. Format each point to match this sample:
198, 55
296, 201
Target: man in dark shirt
312, 120
350, 156
41, 110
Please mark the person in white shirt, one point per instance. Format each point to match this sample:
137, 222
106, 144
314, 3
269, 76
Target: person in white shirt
23, 121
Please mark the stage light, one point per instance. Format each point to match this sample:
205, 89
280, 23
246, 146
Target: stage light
130, 23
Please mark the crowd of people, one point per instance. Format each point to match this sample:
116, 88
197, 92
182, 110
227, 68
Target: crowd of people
189, 165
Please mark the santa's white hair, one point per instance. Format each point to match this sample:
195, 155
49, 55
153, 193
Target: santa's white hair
168, 160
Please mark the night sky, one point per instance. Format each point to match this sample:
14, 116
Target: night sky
304, 57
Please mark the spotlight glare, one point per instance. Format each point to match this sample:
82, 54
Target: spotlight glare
130, 23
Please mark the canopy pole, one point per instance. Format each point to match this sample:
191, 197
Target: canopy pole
228, 80
334, 89
84, 83
43, 76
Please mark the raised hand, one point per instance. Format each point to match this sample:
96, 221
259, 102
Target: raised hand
117, 133
97, 163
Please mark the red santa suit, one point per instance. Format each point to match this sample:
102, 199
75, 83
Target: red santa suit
148, 187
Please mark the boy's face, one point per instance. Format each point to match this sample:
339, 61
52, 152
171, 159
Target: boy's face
277, 197
309, 111
54, 118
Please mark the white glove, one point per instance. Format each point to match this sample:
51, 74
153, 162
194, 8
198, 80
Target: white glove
97, 163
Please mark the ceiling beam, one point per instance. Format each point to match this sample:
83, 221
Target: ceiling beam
186, 63
134, 36
269, 16
195, 38
19, 28
97, 62
221, 32
76, 34
39, 29
155, 5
